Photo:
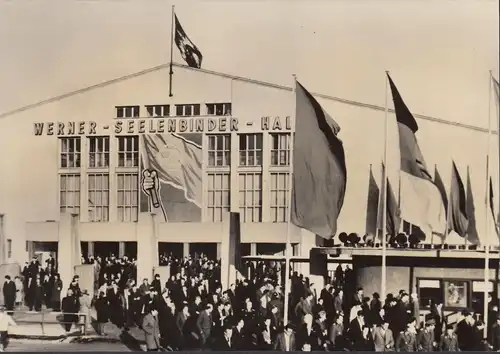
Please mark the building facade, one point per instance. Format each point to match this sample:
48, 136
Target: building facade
222, 144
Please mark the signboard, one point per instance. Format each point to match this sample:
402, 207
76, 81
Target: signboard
157, 126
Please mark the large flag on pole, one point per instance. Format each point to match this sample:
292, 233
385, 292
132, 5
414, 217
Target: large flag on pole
438, 181
458, 221
393, 211
372, 205
319, 170
189, 51
421, 202
472, 234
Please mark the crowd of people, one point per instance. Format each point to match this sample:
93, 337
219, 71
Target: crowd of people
191, 310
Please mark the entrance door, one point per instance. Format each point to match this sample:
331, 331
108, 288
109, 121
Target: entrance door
207, 249
106, 249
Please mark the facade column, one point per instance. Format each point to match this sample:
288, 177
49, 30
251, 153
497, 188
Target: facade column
185, 249
219, 250
308, 241
253, 249
121, 249
113, 164
67, 253
84, 194
147, 246
266, 176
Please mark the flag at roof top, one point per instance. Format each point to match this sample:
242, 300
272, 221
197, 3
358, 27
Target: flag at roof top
189, 51
319, 170
421, 202
458, 220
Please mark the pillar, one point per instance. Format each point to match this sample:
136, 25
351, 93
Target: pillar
90, 248
308, 241
3, 241
225, 257
147, 246
185, 249
253, 249
67, 250
121, 249
219, 250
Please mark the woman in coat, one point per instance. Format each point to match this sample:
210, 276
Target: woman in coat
56, 293
19, 291
85, 307
151, 330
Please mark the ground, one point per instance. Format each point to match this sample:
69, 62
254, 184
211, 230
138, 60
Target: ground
38, 346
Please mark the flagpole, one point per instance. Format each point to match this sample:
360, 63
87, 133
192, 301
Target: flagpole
384, 198
446, 228
288, 247
487, 246
171, 73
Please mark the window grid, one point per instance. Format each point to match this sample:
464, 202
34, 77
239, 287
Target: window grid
70, 151
250, 149
128, 151
128, 111
99, 152
98, 202
279, 196
280, 149
250, 189
159, 110
187, 110
218, 109
219, 150
128, 196
69, 193
218, 204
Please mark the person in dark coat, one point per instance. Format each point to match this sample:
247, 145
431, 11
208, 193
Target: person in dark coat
101, 308
9, 294
365, 342
57, 285
465, 332
156, 284
224, 341
180, 320
38, 295
495, 334
70, 307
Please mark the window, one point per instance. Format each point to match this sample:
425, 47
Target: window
187, 110
9, 248
250, 149
250, 189
280, 149
98, 197
478, 289
219, 150
70, 152
218, 196
99, 151
128, 151
162, 110
128, 196
219, 109
429, 290
127, 111
279, 196
69, 193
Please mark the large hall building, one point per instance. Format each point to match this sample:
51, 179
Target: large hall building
225, 140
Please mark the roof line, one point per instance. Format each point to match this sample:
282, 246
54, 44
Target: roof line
232, 77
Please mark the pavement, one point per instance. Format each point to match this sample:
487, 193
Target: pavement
36, 346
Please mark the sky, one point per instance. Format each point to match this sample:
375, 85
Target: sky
441, 51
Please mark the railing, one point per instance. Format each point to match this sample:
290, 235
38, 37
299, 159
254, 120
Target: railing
45, 318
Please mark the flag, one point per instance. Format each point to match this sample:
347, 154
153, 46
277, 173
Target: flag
421, 201
438, 181
393, 212
457, 220
472, 234
372, 205
177, 162
496, 88
319, 170
189, 51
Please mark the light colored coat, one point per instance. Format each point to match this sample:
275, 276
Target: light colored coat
384, 342
152, 331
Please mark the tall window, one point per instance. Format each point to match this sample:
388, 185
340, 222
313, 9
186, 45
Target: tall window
9, 248
159, 110
70, 150
250, 188
250, 149
128, 151
218, 196
128, 196
98, 197
219, 109
127, 111
187, 110
69, 193
219, 150
279, 196
99, 151
280, 149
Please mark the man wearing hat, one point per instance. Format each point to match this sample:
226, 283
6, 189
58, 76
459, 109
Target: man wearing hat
407, 340
425, 338
449, 341
465, 331
495, 334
